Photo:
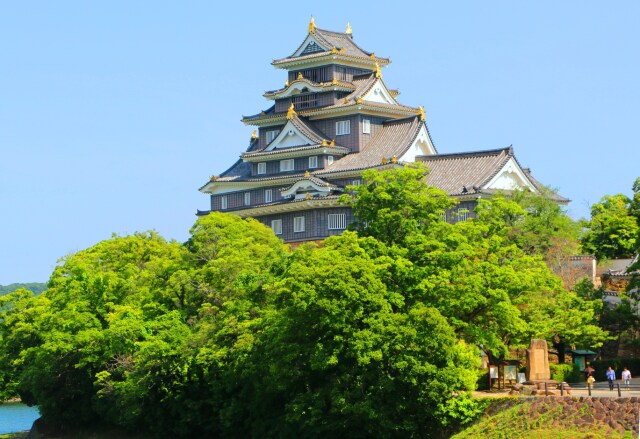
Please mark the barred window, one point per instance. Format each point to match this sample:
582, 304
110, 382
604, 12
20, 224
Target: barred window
337, 221
271, 135
223, 202
355, 183
329, 160
443, 215
298, 224
276, 226
313, 162
343, 127
286, 165
366, 126
262, 168
268, 196
247, 198
463, 214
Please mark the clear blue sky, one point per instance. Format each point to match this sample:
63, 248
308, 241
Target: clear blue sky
113, 114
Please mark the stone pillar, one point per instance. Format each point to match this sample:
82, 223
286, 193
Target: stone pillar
538, 361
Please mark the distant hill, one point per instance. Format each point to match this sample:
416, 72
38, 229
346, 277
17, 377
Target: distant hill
36, 287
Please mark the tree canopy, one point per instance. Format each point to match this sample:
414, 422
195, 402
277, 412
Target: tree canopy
376, 332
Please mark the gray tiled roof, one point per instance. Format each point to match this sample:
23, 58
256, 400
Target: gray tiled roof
451, 172
394, 139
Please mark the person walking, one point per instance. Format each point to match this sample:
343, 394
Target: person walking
611, 377
590, 381
626, 377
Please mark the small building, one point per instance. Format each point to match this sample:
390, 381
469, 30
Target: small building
334, 118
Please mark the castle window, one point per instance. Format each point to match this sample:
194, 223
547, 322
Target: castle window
366, 126
343, 127
313, 162
247, 198
355, 183
268, 196
223, 202
463, 214
286, 165
276, 226
262, 168
337, 221
270, 135
329, 160
298, 224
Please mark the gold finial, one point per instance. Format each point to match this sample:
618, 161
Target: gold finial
333, 142
422, 114
214, 177
359, 100
291, 112
300, 75
394, 159
378, 72
312, 25
334, 81
286, 83
384, 160
254, 135
324, 142
334, 50
346, 101
306, 174
349, 31
262, 113
373, 55
308, 196
342, 50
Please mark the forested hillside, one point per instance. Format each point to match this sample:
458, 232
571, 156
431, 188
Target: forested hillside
35, 287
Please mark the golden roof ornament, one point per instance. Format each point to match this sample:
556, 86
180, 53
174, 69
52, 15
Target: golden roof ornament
312, 25
378, 72
254, 135
423, 115
324, 142
214, 178
291, 112
308, 196
334, 50
300, 75
373, 55
306, 174
384, 160
349, 31
286, 83
334, 81
333, 142
262, 113
394, 159
359, 100
346, 100
342, 50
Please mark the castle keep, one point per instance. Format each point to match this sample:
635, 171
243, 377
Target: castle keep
334, 118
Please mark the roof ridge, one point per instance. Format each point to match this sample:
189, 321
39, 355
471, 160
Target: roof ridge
507, 150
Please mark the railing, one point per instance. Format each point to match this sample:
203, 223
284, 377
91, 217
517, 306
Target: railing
616, 386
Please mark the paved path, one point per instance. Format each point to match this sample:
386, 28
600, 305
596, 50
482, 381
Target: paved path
600, 390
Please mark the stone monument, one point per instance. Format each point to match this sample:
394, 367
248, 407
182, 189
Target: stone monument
538, 361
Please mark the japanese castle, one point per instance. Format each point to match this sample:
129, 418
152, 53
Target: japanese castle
334, 118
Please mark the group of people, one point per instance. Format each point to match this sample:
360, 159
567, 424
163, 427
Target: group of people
611, 377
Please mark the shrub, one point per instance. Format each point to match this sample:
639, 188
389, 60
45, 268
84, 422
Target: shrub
565, 372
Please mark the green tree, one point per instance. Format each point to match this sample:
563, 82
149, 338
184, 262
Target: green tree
612, 231
392, 204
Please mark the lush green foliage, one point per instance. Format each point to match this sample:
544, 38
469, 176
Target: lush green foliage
34, 287
566, 372
374, 333
612, 232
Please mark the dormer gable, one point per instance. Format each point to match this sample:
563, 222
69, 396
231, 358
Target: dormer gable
421, 146
309, 46
379, 93
294, 134
308, 186
510, 177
